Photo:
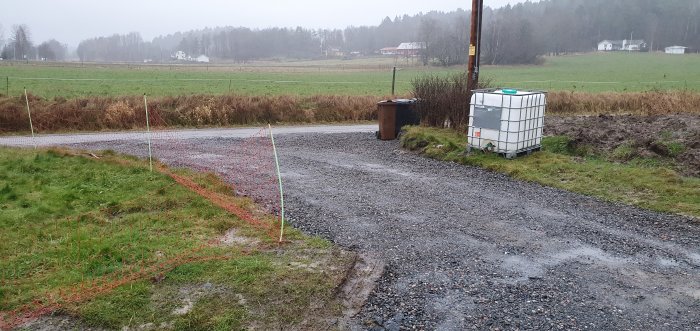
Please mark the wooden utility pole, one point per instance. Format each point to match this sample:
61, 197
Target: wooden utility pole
475, 43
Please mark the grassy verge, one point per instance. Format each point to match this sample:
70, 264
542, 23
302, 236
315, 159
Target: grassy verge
69, 220
644, 184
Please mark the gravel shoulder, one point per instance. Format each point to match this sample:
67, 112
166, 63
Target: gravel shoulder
465, 248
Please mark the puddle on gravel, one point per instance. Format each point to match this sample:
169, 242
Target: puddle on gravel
529, 268
692, 292
695, 258
667, 263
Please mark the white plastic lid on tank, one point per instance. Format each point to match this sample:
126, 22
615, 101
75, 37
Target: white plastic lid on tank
511, 92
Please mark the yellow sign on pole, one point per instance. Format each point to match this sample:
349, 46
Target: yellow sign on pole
472, 50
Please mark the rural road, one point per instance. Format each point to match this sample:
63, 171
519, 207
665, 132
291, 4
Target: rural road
66, 139
469, 249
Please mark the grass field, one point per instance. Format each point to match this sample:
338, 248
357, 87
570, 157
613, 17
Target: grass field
69, 220
639, 183
619, 72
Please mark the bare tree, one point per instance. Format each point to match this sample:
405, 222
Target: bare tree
21, 42
428, 34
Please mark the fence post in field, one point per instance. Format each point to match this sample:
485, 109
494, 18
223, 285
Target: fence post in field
7, 85
31, 126
393, 83
148, 134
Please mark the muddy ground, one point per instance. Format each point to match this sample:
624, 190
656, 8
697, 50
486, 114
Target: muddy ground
668, 138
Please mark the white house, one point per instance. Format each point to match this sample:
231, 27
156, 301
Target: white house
180, 56
676, 50
389, 50
621, 45
202, 59
610, 45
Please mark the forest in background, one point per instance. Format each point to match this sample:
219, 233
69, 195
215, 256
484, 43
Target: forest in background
517, 34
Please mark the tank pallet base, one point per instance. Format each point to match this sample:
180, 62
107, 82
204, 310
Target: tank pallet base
511, 156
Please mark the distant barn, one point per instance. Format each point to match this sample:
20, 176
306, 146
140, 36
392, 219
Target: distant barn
410, 49
676, 50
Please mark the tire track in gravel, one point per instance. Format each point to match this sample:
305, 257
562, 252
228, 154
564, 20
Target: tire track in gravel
465, 248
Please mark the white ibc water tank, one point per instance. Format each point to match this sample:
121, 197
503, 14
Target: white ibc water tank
507, 121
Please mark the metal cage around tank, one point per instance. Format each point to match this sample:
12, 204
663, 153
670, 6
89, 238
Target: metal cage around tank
507, 121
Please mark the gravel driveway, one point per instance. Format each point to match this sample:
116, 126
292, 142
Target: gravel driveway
466, 248
469, 249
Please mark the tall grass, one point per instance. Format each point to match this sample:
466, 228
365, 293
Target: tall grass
643, 103
116, 113
442, 99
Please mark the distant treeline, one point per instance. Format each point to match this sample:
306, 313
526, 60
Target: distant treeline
511, 35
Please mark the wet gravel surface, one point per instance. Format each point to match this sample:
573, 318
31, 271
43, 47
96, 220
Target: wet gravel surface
469, 249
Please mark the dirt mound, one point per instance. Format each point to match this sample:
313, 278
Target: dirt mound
666, 138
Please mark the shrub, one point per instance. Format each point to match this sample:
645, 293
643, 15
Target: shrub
444, 99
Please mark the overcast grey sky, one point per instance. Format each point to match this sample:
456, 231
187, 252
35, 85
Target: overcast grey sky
71, 21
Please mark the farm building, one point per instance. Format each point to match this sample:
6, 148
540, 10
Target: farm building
633, 45
676, 50
622, 45
334, 52
202, 59
180, 56
610, 45
389, 51
410, 49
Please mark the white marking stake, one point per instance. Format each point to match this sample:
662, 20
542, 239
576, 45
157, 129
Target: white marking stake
148, 129
279, 178
31, 126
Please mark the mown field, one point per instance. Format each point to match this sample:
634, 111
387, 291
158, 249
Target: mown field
586, 73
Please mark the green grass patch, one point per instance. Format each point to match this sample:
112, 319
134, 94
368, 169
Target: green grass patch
651, 186
67, 219
618, 72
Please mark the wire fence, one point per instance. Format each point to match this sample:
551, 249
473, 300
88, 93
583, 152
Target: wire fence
248, 167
